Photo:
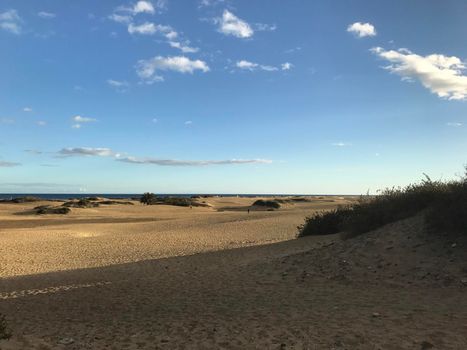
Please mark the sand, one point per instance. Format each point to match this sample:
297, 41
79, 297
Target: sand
159, 277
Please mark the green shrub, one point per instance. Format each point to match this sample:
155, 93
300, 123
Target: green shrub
148, 198
267, 203
324, 223
445, 204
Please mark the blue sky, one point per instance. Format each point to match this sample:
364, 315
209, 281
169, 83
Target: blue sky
265, 96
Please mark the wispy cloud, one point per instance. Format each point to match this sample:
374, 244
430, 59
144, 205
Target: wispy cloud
79, 120
124, 19
454, 124
46, 15
41, 123
229, 24
174, 162
7, 121
263, 27
188, 123
11, 22
442, 75
146, 28
5, 164
251, 66
362, 30
118, 85
27, 109
87, 151
107, 152
206, 3
147, 69
341, 144
184, 47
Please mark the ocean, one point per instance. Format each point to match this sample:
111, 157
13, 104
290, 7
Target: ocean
64, 196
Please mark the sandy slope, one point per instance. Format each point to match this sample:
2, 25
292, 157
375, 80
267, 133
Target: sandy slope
312, 293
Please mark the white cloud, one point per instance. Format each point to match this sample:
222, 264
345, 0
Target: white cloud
188, 123
147, 69
362, 30
341, 144
46, 15
41, 123
87, 151
175, 162
117, 83
252, 66
183, 47
80, 119
27, 109
125, 19
7, 121
107, 152
454, 124
146, 28
11, 21
4, 164
286, 66
442, 75
229, 24
262, 27
243, 64
143, 7
204, 3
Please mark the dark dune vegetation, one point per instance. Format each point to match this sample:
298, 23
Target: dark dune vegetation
444, 204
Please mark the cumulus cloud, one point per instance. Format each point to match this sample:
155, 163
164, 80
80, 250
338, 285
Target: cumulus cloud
251, 66
229, 24
87, 151
442, 75
362, 30
175, 162
143, 7
147, 69
286, 66
46, 15
4, 164
11, 21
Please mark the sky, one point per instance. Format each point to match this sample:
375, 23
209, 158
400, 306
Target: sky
230, 96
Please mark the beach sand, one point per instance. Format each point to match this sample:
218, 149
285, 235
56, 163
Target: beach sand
162, 277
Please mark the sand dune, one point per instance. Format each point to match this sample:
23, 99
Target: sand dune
176, 283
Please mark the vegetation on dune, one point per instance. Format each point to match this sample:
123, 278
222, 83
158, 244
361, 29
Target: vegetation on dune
5, 333
274, 204
444, 203
148, 198
47, 209
82, 203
